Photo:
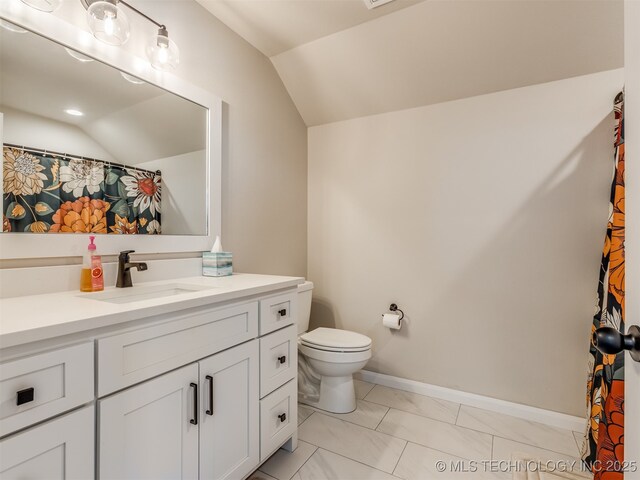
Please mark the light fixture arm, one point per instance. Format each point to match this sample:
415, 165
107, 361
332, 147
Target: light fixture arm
159, 25
87, 4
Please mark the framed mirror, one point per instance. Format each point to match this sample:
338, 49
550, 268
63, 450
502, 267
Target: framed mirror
97, 142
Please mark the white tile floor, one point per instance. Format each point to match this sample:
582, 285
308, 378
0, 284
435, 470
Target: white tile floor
395, 434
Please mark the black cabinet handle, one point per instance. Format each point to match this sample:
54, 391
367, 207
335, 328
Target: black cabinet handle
209, 379
25, 396
194, 420
283, 312
282, 417
282, 359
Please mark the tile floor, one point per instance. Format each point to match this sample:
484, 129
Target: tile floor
396, 434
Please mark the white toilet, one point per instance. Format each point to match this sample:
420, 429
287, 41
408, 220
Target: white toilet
327, 360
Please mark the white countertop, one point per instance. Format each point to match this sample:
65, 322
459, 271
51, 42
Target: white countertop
39, 317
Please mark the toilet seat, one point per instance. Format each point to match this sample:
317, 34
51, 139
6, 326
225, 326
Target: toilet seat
335, 357
335, 340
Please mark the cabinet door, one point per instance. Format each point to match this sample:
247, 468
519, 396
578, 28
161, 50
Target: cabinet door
229, 430
150, 431
58, 449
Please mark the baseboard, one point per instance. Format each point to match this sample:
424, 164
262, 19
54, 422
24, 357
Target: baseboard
547, 417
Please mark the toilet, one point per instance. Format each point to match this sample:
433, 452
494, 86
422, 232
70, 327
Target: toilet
327, 360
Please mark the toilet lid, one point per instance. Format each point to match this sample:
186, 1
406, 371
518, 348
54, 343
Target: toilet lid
329, 338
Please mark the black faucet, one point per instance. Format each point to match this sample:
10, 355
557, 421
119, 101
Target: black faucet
124, 267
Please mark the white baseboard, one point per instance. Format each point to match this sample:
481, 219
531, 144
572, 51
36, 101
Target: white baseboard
547, 417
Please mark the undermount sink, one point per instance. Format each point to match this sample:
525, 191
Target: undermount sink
138, 294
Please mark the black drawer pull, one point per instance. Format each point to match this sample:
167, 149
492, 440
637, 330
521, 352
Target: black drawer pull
282, 359
209, 379
25, 396
283, 312
194, 420
282, 417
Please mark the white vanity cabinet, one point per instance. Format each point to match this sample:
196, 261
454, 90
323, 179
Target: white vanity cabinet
208, 391
200, 418
58, 449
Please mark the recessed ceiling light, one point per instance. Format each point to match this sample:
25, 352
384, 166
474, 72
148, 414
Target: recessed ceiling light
74, 112
11, 27
79, 56
132, 79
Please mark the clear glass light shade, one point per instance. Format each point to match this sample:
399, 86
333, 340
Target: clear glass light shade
43, 5
163, 53
108, 22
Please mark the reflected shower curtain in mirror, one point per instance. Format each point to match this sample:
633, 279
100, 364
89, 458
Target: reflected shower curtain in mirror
603, 449
47, 193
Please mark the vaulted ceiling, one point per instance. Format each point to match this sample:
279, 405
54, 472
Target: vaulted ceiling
340, 60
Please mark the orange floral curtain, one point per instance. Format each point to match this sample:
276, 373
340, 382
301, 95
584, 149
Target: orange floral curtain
603, 449
46, 193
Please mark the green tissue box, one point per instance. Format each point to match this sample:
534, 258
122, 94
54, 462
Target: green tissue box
218, 264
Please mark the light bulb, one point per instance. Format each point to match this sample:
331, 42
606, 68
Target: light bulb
163, 53
108, 22
109, 26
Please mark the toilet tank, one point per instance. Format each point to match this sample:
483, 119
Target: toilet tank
305, 291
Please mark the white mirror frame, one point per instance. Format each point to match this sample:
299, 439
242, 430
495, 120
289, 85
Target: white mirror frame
20, 245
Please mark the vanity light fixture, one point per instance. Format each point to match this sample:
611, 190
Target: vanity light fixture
74, 112
109, 24
43, 5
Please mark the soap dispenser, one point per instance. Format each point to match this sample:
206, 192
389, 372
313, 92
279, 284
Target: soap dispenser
91, 278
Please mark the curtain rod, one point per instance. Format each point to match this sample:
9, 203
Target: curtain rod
66, 155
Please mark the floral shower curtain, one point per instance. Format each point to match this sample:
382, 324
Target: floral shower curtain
603, 450
46, 193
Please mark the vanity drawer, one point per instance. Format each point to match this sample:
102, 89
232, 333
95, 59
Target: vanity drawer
49, 383
132, 357
277, 312
278, 418
278, 359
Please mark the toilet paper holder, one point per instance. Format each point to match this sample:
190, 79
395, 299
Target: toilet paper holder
393, 307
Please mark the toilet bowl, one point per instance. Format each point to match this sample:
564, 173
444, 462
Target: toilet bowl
327, 360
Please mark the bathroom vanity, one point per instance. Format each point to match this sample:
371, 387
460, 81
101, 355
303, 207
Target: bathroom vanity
194, 378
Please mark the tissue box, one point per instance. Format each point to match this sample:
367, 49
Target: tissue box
219, 264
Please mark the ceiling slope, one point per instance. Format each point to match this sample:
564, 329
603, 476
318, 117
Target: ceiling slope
437, 51
275, 26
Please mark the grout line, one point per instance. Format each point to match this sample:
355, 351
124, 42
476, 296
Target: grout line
382, 420
401, 453
306, 419
334, 415
458, 414
493, 441
385, 414
358, 461
417, 414
370, 390
305, 462
530, 445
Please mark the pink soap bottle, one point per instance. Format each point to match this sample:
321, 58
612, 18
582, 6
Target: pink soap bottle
91, 279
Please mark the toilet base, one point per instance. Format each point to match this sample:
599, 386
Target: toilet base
337, 395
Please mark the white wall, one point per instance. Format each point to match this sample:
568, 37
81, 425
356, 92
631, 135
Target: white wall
183, 193
264, 184
483, 219
22, 128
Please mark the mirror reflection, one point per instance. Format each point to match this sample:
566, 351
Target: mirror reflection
88, 148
